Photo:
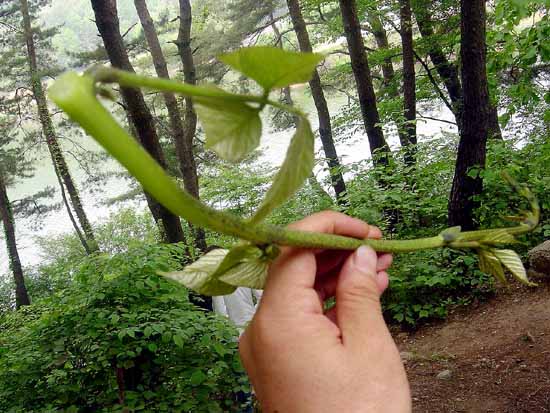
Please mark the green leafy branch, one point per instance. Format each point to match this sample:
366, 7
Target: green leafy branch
233, 129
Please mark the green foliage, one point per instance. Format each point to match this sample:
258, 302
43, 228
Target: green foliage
296, 168
233, 129
119, 323
273, 67
423, 285
203, 275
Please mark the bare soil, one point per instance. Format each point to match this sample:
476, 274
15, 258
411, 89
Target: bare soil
498, 353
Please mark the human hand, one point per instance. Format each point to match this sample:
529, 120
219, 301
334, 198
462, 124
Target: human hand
302, 359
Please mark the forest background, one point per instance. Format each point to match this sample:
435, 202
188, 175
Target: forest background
414, 124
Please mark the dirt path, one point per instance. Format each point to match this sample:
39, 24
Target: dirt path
497, 352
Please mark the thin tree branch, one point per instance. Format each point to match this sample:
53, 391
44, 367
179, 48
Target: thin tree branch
434, 82
129, 29
436, 119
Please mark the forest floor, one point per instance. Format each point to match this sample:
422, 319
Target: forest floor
494, 356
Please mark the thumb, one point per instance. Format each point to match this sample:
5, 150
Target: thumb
358, 310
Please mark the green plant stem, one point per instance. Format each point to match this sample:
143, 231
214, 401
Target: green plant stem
76, 95
123, 78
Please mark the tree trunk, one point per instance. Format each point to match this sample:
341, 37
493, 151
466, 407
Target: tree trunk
367, 99
381, 38
494, 126
190, 176
388, 73
473, 137
21, 295
184, 152
325, 127
447, 71
106, 18
77, 230
49, 132
409, 81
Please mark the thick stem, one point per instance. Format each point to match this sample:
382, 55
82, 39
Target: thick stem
76, 96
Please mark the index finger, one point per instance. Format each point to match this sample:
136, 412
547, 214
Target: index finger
332, 222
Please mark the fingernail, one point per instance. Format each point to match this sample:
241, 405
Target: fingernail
364, 261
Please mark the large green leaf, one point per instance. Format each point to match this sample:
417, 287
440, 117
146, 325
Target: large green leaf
272, 67
236, 256
511, 260
233, 129
296, 168
490, 264
251, 274
200, 276
245, 266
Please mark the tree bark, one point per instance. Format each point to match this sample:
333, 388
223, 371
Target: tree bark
447, 71
107, 22
184, 150
388, 73
475, 120
381, 38
380, 150
49, 132
77, 230
409, 81
325, 127
190, 176
21, 295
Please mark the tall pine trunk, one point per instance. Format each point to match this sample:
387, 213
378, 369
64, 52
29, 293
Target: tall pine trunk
388, 73
409, 80
381, 38
447, 71
367, 99
49, 133
184, 151
183, 42
107, 22
21, 295
475, 118
325, 127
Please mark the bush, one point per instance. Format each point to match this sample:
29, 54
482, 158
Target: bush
424, 284
119, 338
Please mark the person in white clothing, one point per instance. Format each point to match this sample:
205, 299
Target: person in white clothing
239, 307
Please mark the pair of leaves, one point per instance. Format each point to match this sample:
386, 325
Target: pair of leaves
221, 271
233, 128
491, 261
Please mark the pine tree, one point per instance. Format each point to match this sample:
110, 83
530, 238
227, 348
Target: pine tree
379, 148
409, 81
34, 77
475, 116
107, 22
325, 127
182, 134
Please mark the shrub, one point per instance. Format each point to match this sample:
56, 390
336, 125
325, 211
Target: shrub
119, 338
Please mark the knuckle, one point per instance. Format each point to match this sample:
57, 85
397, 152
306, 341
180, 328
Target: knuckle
361, 290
